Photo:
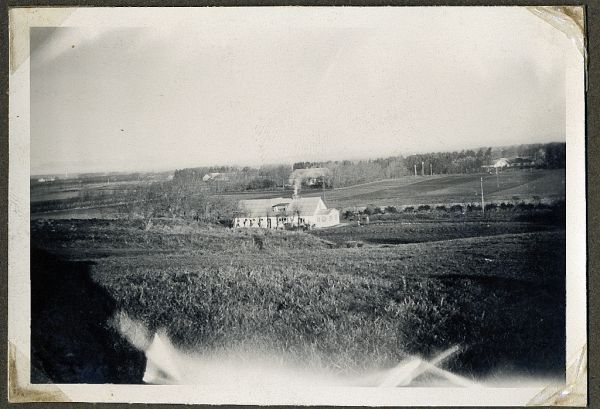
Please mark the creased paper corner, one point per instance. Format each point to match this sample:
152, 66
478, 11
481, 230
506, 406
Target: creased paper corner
570, 20
573, 392
18, 392
20, 20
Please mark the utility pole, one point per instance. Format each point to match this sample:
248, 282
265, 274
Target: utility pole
482, 202
431, 169
422, 168
415, 170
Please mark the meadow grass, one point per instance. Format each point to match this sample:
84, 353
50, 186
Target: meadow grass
306, 299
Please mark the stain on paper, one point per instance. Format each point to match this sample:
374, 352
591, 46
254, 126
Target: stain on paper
18, 393
20, 20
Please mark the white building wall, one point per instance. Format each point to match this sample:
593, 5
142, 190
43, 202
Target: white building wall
332, 218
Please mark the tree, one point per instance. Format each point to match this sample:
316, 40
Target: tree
146, 204
179, 200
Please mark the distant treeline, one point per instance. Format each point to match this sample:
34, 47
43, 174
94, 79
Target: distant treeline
352, 172
341, 173
235, 178
545, 156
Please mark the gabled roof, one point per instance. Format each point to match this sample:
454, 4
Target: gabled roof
501, 162
303, 206
325, 212
259, 207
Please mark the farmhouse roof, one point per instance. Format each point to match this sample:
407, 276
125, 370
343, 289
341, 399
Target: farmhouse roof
303, 206
502, 162
324, 212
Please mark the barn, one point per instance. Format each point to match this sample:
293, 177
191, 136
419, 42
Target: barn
279, 213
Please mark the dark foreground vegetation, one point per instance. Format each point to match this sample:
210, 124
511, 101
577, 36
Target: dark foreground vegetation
493, 286
71, 340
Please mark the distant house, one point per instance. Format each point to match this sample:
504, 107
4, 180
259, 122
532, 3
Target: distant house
48, 179
517, 163
501, 163
215, 176
522, 163
310, 176
279, 213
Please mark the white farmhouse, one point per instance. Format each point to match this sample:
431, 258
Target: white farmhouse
277, 213
504, 163
501, 163
215, 176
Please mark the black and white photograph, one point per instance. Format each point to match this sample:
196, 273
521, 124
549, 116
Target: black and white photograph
298, 205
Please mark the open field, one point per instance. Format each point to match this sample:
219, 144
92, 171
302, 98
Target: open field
440, 189
420, 232
494, 288
446, 189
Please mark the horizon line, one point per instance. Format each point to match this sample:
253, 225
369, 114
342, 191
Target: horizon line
173, 169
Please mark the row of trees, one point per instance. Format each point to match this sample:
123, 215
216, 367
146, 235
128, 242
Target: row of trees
466, 161
236, 179
352, 172
348, 173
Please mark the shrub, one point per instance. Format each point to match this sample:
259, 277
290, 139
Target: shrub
424, 208
441, 208
473, 207
260, 183
391, 209
525, 206
369, 210
491, 206
456, 208
377, 210
258, 242
409, 209
506, 206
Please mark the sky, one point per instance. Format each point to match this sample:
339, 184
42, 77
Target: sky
131, 90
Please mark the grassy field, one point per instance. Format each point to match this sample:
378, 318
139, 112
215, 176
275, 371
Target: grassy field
445, 189
494, 287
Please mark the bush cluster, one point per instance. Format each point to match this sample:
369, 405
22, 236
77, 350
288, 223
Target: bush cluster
517, 206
